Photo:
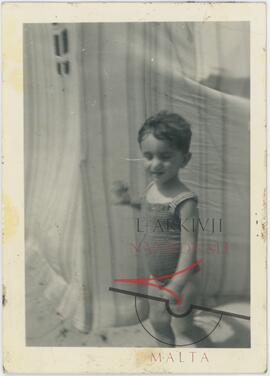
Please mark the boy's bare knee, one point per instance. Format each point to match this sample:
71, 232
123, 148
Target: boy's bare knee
160, 320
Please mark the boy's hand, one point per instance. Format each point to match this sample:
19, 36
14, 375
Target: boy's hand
120, 193
176, 297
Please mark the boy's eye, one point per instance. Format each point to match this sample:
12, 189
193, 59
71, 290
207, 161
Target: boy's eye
165, 157
147, 156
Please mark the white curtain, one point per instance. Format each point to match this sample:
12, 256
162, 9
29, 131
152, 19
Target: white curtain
81, 126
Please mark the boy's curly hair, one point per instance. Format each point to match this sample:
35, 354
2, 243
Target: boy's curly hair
170, 127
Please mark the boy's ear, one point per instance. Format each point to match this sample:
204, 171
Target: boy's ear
186, 159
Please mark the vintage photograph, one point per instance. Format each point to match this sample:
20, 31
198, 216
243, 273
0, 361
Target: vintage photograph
134, 188
137, 184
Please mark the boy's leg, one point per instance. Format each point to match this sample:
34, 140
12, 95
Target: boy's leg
160, 320
184, 326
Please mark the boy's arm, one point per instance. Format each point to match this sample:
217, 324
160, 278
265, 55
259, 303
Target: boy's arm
121, 196
189, 235
136, 204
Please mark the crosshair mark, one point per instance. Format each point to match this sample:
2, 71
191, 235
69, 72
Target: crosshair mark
176, 344
169, 310
192, 306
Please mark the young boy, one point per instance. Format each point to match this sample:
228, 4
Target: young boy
164, 141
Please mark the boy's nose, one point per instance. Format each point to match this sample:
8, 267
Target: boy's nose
156, 164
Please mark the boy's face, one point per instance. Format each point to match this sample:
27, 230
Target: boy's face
161, 159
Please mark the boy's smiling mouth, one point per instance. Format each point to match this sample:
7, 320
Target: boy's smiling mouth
157, 173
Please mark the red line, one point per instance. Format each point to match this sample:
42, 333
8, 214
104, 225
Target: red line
178, 300
138, 280
145, 281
